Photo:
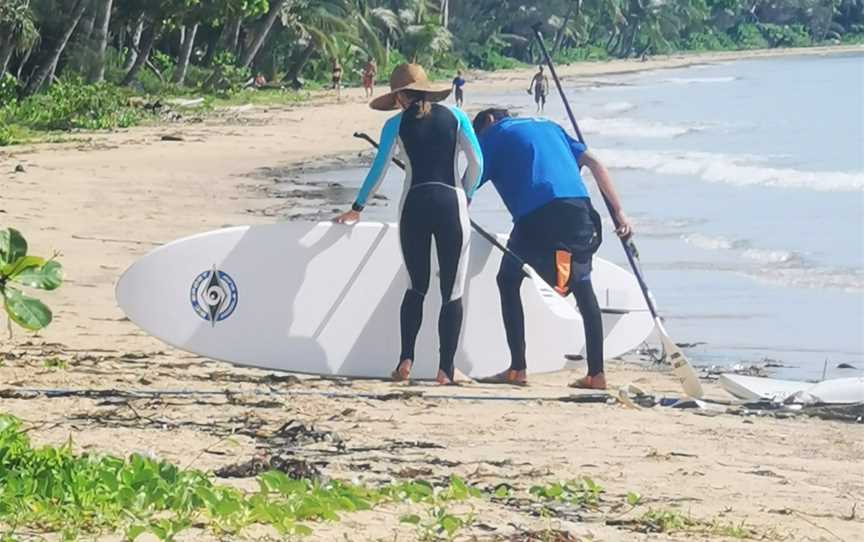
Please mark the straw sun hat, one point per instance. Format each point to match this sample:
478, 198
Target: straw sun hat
409, 77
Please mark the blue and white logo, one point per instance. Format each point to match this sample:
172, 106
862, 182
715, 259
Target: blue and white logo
213, 295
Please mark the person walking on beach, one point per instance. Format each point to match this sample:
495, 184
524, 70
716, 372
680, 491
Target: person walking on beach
369, 72
336, 78
435, 203
534, 165
458, 83
540, 87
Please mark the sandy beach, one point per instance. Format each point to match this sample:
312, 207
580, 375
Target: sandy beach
105, 199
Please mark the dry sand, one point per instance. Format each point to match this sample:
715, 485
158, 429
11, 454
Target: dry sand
107, 199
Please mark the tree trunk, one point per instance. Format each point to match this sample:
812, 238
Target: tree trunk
134, 44
559, 36
293, 75
147, 41
266, 26
231, 35
46, 65
445, 13
103, 20
23, 62
88, 20
185, 54
212, 46
6, 50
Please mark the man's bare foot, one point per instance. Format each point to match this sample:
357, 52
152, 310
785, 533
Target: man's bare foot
510, 376
442, 379
402, 371
588, 382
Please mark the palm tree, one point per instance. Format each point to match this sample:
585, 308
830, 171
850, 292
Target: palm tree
17, 30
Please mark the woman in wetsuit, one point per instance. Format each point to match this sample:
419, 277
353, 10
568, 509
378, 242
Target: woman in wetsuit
435, 203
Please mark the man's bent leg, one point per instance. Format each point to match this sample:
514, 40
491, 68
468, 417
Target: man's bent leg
593, 321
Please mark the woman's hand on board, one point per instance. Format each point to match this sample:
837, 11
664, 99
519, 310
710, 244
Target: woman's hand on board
348, 217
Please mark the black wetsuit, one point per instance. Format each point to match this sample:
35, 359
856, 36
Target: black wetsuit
434, 205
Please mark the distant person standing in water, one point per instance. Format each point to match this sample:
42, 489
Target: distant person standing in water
336, 78
540, 87
458, 83
369, 72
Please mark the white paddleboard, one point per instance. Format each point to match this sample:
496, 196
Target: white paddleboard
322, 298
833, 391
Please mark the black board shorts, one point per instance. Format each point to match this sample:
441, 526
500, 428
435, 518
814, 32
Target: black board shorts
561, 235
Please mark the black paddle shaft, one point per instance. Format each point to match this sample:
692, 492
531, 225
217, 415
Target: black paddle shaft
628, 244
483, 233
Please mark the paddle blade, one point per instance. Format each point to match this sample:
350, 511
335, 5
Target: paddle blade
557, 304
680, 365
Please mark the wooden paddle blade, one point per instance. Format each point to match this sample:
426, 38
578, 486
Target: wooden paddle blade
681, 365
557, 304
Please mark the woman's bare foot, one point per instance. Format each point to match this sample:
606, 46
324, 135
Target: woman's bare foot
442, 379
402, 371
510, 376
588, 382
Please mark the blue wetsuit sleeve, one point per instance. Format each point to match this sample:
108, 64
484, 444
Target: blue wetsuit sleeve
471, 147
386, 150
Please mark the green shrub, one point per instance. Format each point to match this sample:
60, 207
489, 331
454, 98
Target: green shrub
227, 78
709, 40
70, 104
487, 57
8, 89
786, 35
581, 54
748, 36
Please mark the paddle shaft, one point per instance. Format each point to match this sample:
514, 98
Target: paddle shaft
628, 244
483, 233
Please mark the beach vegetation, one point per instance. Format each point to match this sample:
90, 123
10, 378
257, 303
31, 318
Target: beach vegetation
89, 56
581, 493
19, 270
51, 489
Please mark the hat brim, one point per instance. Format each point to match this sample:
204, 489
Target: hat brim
387, 102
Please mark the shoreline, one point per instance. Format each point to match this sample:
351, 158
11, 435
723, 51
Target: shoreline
106, 201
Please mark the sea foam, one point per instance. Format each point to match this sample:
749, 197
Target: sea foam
738, 170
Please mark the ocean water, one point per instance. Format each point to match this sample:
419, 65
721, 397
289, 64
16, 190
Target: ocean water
745, 184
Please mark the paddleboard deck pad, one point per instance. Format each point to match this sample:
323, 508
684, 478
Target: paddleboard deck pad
323, 298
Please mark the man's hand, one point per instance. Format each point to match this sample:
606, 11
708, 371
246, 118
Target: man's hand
624, 229
348, 217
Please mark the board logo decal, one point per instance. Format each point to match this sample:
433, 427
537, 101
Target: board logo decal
213, 295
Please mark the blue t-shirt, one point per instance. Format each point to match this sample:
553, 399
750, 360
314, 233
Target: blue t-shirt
531, 162
459, 82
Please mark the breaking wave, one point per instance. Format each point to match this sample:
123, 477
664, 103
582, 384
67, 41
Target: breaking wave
625, 127
698, 80
781, 267
731, 169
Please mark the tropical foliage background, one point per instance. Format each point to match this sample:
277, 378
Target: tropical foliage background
88, 55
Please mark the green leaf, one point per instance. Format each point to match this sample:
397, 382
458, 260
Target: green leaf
25, 311
134, 532
27, 262
633, 498
12, 246
44, 277
502, 491
450, 524
413, 519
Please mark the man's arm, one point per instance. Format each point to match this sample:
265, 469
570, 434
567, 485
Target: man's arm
604, 181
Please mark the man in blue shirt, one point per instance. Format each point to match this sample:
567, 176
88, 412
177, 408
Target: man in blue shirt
534, 166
